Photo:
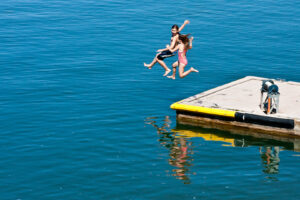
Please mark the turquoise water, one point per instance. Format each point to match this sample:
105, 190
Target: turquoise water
82, 118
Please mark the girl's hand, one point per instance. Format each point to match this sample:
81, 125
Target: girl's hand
186, 22
167, 46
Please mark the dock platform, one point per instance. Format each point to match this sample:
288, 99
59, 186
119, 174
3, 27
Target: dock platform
238, 105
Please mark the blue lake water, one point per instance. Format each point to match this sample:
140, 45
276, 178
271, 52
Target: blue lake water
82, 118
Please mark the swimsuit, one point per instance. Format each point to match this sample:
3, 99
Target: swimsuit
165, 54
182, 58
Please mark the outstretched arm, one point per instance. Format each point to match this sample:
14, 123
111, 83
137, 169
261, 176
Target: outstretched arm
168, 47
160, 50
183, 25
174, 49
191, 42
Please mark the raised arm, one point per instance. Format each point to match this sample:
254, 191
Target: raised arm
191, 42
183, 25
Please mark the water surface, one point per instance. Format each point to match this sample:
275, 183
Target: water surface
81, 117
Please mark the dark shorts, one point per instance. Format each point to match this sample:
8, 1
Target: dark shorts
165, 54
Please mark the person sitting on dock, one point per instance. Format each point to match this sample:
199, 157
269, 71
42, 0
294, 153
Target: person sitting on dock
166, 53
185, 43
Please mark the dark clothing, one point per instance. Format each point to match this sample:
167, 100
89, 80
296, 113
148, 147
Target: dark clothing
165, 54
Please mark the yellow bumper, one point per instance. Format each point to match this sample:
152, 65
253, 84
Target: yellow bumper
203, 110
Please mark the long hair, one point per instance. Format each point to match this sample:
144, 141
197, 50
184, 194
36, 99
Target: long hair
185, 40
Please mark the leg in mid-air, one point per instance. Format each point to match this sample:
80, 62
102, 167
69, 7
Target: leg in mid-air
152, 63
183, 73
174, 65
162, 63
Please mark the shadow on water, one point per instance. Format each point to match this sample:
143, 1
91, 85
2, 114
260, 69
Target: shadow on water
178, 141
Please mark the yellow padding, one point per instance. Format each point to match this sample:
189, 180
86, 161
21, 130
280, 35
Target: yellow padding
199, 109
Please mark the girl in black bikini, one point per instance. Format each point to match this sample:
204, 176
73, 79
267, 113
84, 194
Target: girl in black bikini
165, 53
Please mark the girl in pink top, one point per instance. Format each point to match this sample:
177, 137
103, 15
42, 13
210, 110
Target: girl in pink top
184, 44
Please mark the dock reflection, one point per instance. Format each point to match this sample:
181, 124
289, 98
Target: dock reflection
268, 149
178, 142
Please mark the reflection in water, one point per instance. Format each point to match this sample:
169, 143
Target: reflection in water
207, 136
270, 159
179, 148
178, 142
179, 158
269, 153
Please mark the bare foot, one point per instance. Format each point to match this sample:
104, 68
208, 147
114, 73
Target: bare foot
172, 77
147, 65
194, 70
166, 73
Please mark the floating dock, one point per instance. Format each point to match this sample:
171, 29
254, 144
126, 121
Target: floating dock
238, 105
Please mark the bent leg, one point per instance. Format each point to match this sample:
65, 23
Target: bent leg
183, 73
174, 65
162, 63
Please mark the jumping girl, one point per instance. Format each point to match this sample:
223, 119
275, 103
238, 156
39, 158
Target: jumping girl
184, 44
165, 53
